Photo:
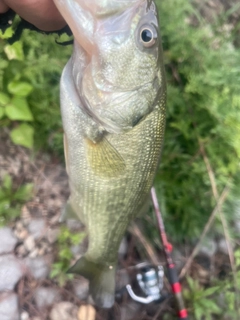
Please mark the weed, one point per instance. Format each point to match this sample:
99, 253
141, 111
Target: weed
66, 239
201, 302
10, 199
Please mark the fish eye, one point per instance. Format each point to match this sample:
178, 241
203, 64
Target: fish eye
147, 37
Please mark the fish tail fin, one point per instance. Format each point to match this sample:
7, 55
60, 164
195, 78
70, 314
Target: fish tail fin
101, 280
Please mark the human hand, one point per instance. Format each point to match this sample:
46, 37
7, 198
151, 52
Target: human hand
43, 14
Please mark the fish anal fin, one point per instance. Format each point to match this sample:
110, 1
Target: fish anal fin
104, 159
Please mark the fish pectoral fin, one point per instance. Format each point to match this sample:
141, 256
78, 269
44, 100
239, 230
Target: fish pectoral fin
104, 159
101, 280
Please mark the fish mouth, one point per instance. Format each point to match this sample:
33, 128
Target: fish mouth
86, 19
102, 9
83, 16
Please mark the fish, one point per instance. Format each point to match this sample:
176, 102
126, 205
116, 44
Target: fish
113, 107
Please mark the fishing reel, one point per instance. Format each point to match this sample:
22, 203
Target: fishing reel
150, 281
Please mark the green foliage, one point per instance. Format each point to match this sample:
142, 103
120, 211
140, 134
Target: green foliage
66, 239
30, 71
220, 300
11, 199
23, 135
202, 66
13, 99
230, 291
200, 300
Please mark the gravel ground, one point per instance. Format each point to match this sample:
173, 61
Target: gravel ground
28, 249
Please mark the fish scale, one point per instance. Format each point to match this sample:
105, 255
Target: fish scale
113, 99
150, 159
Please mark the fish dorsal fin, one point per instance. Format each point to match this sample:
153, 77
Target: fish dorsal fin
104, 159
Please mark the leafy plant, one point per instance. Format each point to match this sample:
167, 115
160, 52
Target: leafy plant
202, 66
13, 97
66, 239
201, 302
10, 199
220, 300
30, 71
230, 291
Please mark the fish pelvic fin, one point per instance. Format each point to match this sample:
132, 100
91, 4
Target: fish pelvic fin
104, 159
101, 280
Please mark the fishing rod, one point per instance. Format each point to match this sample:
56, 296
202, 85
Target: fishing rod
151, 278
172, 272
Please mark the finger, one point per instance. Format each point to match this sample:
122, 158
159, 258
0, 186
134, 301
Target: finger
3, 7
41, 13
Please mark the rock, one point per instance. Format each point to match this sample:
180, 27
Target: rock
8, 241
33, 254
24, 316
208, 247
38, 267
45, 296
29, 243
122, 279
21, 251
20, 231
19, 225
87, 312
41, 251
25, 215
222, 246
9, 306
122, 251
74, 224
21, 235
11, 271
204, 262
43, 247
64, 311
78, 250
130, 310
54, 220
81, 288
178, 259
37, 228
203, 273
52, 235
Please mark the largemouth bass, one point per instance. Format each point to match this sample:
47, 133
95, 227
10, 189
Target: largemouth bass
113, 98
